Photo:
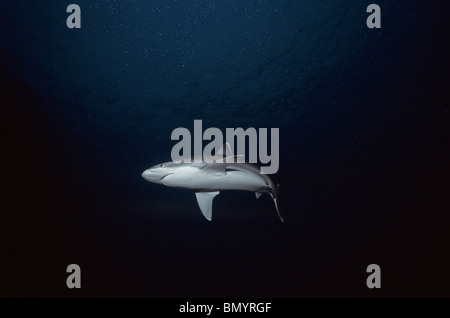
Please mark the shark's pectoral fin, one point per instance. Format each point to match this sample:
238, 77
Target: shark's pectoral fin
205, 202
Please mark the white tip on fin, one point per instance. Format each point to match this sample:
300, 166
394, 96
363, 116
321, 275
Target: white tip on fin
205, 202
278, 211
228, 152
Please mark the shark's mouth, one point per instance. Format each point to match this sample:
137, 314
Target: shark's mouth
165, 176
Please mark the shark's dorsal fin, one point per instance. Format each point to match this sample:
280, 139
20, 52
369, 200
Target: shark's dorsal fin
220, 167
205, 202
225, 150
230, 159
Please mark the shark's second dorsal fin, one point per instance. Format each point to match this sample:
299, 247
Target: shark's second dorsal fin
225, 150
205, 202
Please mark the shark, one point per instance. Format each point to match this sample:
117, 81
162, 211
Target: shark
208, 177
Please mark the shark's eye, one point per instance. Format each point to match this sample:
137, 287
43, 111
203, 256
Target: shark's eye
162, 165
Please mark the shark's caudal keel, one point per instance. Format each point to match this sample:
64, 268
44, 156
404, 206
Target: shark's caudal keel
208, 179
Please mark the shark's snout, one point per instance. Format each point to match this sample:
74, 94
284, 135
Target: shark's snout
155, 174
150, 175
144, 174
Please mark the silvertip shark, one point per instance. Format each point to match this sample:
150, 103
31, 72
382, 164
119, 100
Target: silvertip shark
208, 179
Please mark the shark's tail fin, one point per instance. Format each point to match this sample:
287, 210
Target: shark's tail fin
275, 193
276, 196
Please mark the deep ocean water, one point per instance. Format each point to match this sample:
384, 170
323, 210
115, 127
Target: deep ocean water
364, 147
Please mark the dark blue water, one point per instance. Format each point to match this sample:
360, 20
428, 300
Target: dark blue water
364, 147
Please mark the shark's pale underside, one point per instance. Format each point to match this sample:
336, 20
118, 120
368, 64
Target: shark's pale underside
208, 179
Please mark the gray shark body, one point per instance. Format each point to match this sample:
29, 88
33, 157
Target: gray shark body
208, 179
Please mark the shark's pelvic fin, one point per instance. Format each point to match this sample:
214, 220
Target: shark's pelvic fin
205, 202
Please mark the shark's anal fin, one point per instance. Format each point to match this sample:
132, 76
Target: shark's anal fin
205, 202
